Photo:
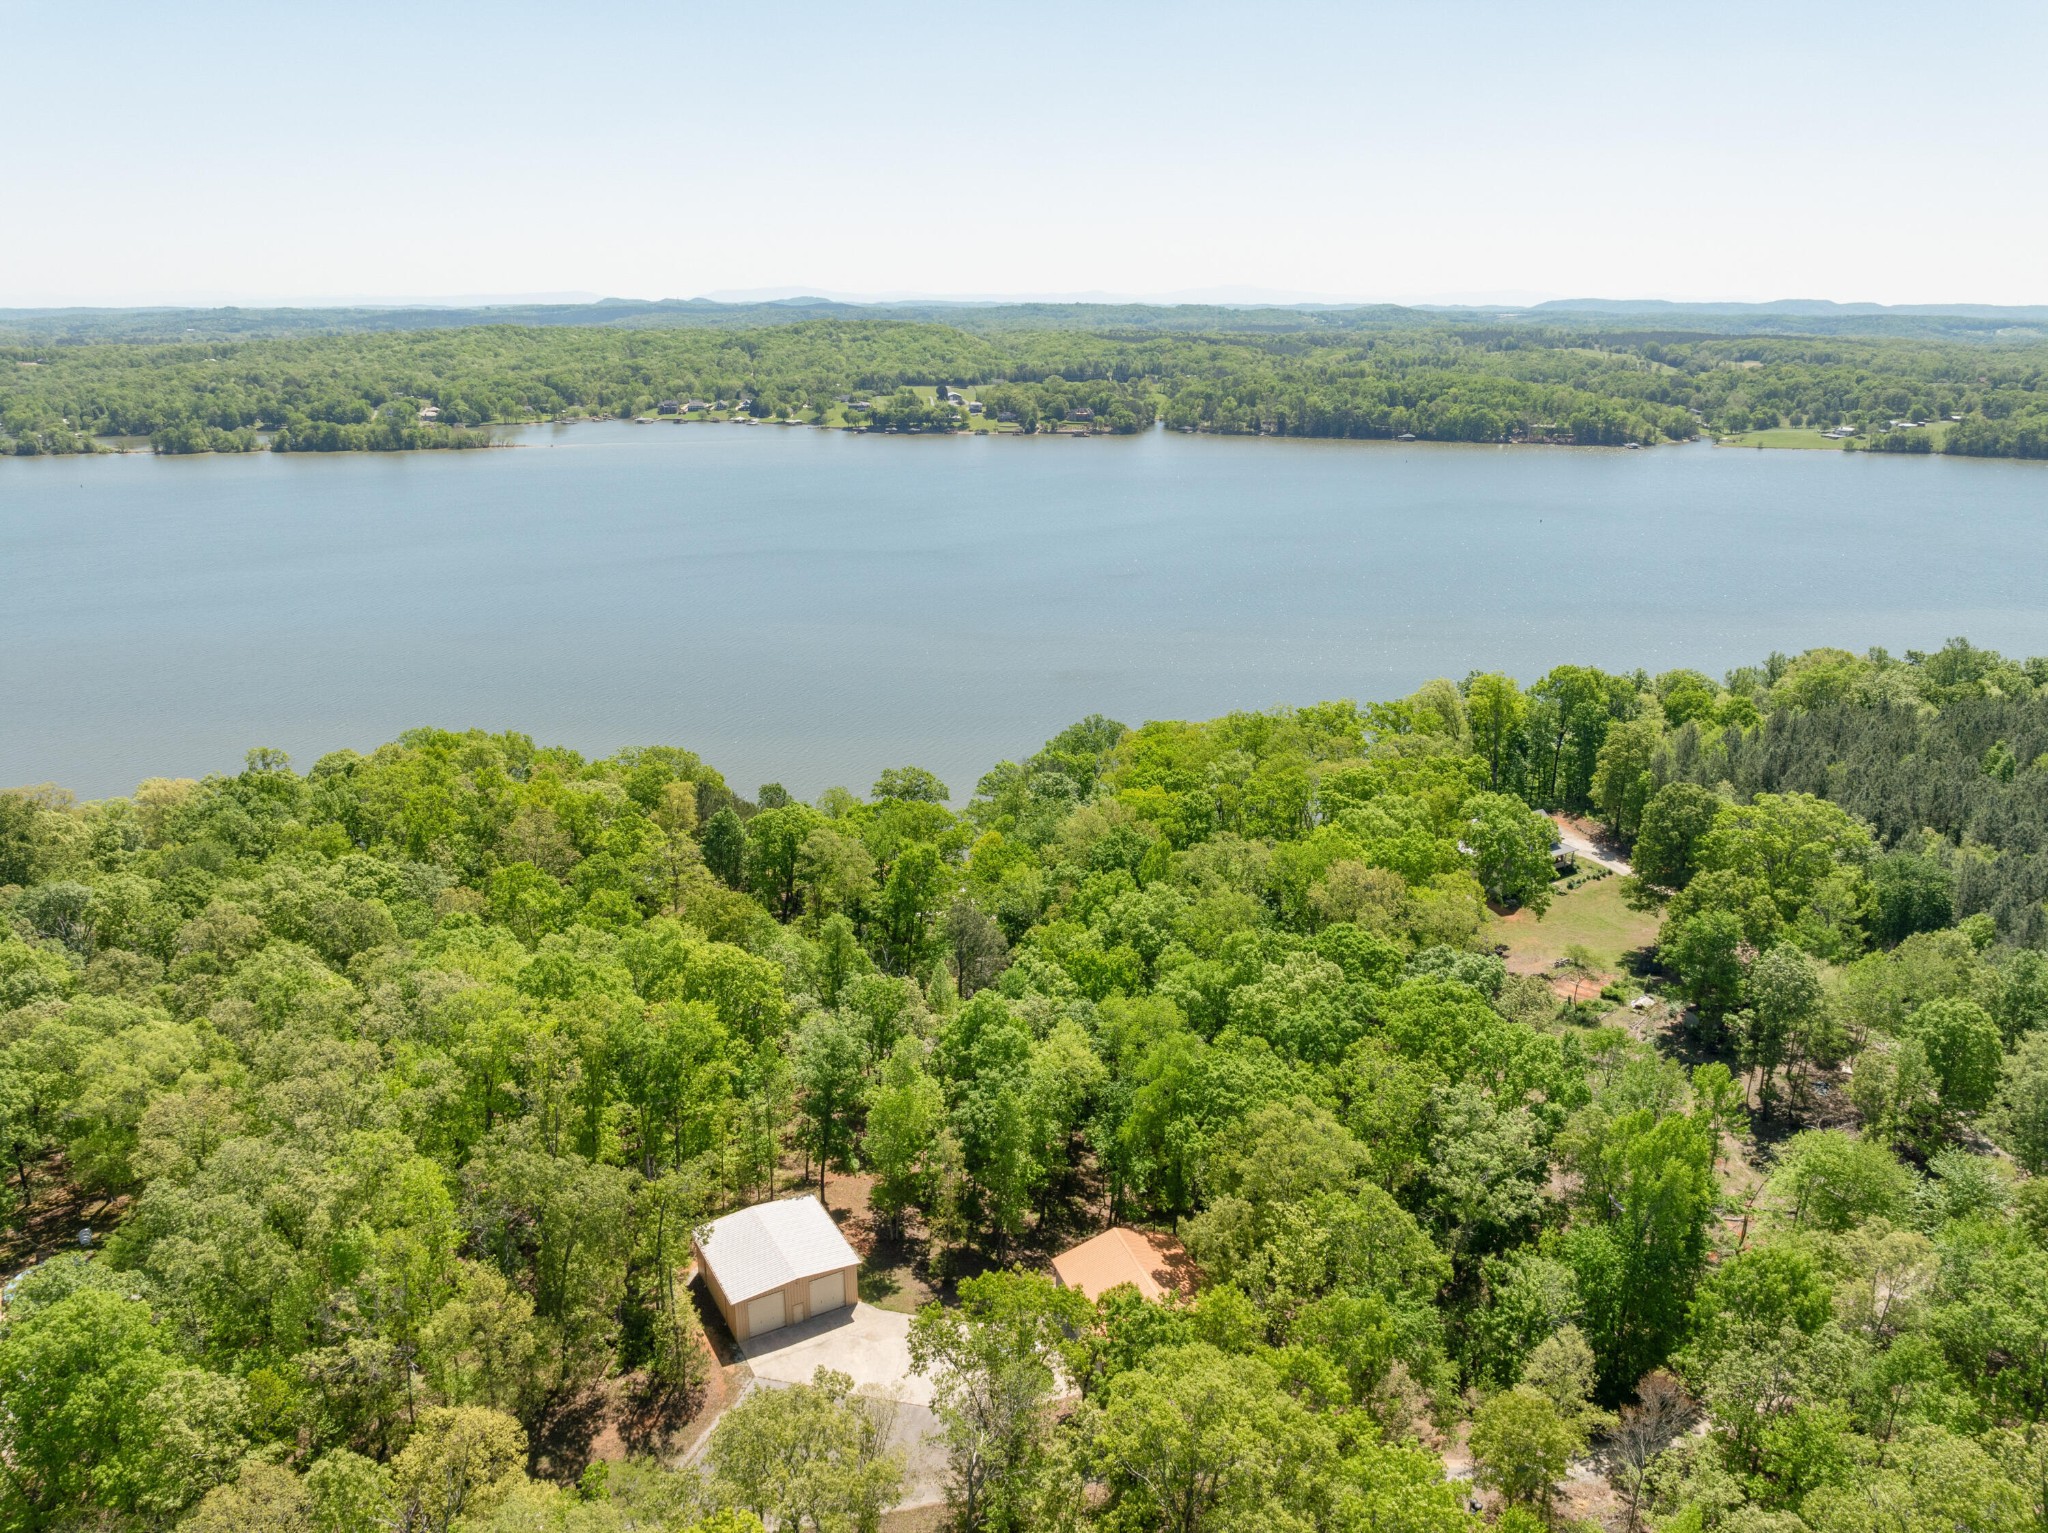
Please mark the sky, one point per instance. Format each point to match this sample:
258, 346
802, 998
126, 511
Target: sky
1442, 152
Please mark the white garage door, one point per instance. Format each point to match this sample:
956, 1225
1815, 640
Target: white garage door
827, 1293
764, 1313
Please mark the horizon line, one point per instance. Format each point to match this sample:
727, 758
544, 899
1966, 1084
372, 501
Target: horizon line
1227, 298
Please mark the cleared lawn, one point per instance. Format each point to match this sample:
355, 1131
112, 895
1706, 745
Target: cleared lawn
1592, 915
1783, 436
1802, 436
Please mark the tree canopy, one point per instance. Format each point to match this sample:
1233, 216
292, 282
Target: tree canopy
400, 1083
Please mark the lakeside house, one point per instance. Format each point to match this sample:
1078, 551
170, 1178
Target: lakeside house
776, 1264
667, 407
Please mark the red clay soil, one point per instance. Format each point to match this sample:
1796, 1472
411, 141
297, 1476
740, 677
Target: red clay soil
50, 1224
915, 1519
636, 1425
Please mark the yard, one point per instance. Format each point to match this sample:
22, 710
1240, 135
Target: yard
1783, 436
1591, 916
1803, 436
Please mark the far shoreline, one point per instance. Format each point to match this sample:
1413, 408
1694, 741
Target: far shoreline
138, 447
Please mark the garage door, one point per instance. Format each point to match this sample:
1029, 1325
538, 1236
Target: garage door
827, 1293
764, 1313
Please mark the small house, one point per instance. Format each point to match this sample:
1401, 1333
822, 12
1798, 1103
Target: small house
1155, 1265
1080, 413
430, 412
974, 407
668, 407
776, 1264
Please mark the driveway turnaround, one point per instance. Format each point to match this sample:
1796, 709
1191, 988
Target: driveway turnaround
872, 1347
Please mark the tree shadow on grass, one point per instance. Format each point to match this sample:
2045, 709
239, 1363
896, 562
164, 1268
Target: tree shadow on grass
877, 1286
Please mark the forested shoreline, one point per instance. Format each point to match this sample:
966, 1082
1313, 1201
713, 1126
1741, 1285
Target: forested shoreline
1583, 383
393, 1089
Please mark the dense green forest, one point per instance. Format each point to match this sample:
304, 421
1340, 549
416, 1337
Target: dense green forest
393, 1090
1429, 377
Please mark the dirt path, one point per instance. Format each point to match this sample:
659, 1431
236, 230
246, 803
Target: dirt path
1579, 839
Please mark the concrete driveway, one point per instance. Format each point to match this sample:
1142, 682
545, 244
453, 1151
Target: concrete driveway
871, 1346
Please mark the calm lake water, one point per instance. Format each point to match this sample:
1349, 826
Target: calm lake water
811, 606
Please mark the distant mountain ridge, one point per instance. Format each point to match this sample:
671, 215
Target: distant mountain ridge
1792, 316
1810, 308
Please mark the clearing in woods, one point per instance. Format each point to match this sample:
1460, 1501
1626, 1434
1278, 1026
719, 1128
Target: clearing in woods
1782, 436
1592, 915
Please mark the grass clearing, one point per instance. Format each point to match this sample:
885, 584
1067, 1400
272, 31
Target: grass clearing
1592, 916
1935, 431
1783, 436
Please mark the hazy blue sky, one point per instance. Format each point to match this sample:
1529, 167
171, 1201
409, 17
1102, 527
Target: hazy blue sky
216, 152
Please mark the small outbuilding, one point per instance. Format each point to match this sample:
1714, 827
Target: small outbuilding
1155, 1265
775, 1264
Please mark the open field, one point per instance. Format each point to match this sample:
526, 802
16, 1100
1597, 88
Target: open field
1592, 916
1807, 437
1783, 436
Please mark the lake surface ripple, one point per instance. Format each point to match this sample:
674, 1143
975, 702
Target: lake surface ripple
812, 606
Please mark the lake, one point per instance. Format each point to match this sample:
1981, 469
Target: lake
811, 606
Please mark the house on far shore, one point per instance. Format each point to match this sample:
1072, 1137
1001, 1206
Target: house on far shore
776, 1264
668, 407
695, 406
430, 412
1155, 1265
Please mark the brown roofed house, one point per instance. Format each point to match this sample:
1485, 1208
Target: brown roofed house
1156, 1265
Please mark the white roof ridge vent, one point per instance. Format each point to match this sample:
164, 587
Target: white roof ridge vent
772, 1245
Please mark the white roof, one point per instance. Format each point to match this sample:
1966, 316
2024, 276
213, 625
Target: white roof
772, 1244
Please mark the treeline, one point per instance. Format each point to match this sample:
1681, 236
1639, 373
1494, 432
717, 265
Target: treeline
1436, 381
1999, 395
1979, 323
1945, 756
402, 1081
